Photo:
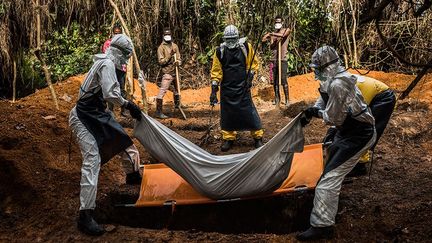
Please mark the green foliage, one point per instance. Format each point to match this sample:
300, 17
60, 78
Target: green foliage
2, 9
69, 51
205, 58
30, 73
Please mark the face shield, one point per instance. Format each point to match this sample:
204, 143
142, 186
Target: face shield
231, 42
318, 75
120, 51
231, 36
324, 61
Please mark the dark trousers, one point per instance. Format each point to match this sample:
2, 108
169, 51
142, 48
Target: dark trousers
284, 65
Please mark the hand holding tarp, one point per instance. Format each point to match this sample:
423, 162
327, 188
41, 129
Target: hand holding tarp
134, 110
304, 120
308, 114
312, 112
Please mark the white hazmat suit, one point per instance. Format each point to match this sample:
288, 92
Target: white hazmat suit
340, 104
93, 126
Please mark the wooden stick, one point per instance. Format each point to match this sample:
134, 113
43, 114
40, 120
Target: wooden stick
38, 54
279, 65
14, 82
137, 66
129, 78
38, 24
178, 85
177, 74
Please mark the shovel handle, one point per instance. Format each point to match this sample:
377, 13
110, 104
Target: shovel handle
177, 74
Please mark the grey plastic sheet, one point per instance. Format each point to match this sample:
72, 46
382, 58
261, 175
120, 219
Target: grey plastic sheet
253, 173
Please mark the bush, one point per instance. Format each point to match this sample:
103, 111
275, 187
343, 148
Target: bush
69, 51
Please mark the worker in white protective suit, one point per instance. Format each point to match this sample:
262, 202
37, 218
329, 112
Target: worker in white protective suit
341, 104
99, 135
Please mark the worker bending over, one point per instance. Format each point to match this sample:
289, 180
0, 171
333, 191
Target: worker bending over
100, 137
342, 105
381, 100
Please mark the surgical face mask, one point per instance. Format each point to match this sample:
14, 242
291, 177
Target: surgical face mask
167, 38
278, 26
231, 42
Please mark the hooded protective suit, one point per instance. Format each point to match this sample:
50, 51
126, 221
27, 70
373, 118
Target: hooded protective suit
230, 69
341, 104
99, 135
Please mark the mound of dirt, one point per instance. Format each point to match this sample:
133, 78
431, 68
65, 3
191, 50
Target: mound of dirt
40, 171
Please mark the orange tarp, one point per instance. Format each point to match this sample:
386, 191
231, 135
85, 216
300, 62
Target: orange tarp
161, 185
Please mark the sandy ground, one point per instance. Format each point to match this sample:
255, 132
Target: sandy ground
39, 181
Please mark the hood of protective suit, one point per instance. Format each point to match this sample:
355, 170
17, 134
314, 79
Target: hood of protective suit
231, 37
326, 64
120, 50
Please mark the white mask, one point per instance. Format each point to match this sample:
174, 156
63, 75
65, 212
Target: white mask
278, 26
167, 38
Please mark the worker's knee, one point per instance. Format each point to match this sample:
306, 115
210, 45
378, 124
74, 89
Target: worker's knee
91, 160
132, 155
166, 81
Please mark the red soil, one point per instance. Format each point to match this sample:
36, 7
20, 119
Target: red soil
39, 181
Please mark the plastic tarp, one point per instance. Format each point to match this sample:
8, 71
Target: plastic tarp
260, 171
162, 186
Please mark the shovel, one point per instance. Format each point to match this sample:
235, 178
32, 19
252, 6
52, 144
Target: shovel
178, 86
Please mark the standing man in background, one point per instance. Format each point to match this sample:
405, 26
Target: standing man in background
280, 35
166, 51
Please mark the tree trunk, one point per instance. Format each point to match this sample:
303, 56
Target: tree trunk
354, 27
38, 55
137, 66
129, 79
14, 81
417, 79
348, 42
